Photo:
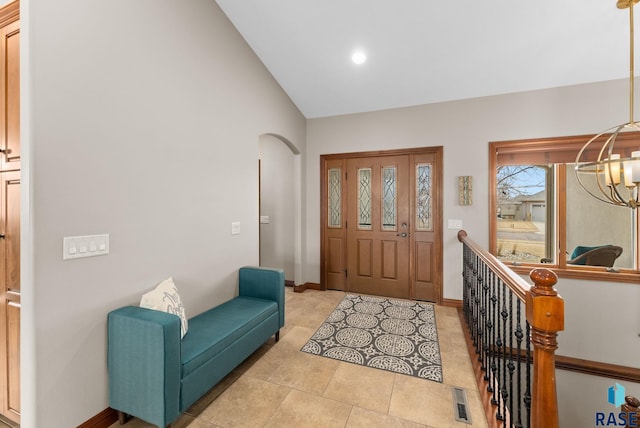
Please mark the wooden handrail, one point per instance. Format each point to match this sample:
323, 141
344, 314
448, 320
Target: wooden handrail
518, 285
545, 315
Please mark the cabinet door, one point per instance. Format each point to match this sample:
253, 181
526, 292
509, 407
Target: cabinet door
10, 95
10, 295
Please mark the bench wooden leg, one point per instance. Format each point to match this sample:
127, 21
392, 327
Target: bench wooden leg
123, 418
277, 335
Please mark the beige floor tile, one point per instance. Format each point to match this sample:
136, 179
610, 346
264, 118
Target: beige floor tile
231, 408
478, 418
364, 418
199, 406
361, 386
302, 409
288, 347
422, 401
457, 370
199, 423
306, 372
296, 337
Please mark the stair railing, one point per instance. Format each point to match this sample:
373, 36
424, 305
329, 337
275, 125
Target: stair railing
512, 337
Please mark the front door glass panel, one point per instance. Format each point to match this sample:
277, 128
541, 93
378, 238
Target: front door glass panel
389, 198
364, 198
423, 197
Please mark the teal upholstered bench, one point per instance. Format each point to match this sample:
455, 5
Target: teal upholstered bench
155, 376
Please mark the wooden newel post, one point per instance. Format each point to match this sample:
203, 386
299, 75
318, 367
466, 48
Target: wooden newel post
545, 314
631, 407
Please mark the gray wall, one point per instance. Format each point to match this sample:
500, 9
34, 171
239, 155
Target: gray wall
277, 201
141, 120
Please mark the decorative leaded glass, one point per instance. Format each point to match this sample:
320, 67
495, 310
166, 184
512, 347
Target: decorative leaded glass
389, 198
364, 198
423, 197
335, 186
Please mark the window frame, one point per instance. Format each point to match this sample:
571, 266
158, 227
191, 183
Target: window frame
546, 151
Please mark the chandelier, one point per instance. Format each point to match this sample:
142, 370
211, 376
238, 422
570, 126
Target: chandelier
616, 172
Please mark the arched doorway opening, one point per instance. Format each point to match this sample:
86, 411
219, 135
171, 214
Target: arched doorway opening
280, 206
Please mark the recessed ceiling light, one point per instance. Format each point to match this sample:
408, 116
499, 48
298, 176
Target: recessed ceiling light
358, 57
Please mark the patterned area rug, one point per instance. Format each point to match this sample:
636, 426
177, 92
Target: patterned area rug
395, 335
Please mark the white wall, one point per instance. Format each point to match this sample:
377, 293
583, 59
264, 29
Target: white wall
142, 121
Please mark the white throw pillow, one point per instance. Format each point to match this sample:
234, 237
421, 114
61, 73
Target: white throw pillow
165, 298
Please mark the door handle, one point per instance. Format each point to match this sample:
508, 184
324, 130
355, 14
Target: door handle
1, 236
403, 234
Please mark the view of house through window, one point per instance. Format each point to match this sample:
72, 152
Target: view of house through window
523, 198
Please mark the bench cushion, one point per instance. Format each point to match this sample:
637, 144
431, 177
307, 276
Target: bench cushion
212, 331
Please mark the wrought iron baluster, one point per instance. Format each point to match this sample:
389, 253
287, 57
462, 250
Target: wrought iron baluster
474, 295
519, 335
481, 325
511, 365
500, 345
466, 278
489, 327
485, 320
527, 392
496, 345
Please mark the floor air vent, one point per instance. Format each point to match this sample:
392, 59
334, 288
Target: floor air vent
460, 407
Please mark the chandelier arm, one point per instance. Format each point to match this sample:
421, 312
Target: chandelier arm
598, 197
614, 194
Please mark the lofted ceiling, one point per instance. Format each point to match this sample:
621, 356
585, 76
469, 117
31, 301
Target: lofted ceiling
427, 51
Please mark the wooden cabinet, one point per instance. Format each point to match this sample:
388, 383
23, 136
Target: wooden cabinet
10, 94
10, 294
10, 211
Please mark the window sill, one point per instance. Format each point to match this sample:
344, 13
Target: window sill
589, 273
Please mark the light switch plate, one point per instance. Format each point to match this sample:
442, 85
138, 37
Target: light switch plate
75, 247
235, 228
454, 224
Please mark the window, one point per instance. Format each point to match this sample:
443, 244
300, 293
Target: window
541, 216
523, 229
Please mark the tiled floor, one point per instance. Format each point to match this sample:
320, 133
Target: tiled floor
280, 386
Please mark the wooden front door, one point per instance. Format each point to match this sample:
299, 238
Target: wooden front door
381, 223
378, 225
